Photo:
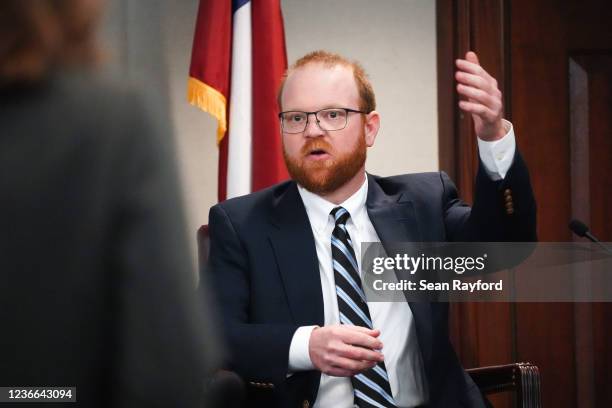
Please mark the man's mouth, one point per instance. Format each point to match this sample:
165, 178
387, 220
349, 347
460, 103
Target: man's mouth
317, 154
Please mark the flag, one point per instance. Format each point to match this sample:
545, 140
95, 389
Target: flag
237, 61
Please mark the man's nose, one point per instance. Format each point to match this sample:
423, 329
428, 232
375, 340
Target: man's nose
312, 127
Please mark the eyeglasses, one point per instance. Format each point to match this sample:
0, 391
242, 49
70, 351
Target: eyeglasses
327, 119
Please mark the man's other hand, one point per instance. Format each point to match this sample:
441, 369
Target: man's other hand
344, 350
484, 99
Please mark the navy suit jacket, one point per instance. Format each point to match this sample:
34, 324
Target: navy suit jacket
264, 266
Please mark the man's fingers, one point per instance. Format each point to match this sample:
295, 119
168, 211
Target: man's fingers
472, 80
477, 82
472, 57
341, 350
351, 366
361, 353
469, 67
365, 330
358, 338
472, 68
480, 96
477, 109
484, 99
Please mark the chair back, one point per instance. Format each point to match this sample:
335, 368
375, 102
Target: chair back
203, 247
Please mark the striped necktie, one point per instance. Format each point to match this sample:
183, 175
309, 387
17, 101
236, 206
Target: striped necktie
371, 387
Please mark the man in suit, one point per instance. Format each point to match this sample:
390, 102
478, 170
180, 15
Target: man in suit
284, 260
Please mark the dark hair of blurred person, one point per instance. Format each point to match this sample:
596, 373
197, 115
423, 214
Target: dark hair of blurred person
97, 285
39, 36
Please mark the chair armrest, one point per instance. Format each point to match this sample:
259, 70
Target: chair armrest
522, 378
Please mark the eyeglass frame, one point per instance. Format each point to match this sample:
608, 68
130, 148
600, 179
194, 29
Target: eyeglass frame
317, 120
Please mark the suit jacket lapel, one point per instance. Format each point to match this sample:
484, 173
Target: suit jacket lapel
294, 247
393, 216
395, 220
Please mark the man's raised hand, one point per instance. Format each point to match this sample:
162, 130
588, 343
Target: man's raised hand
484, 99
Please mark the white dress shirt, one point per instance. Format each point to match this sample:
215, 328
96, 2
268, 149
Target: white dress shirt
393, 319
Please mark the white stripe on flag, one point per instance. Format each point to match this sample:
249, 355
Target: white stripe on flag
241, 121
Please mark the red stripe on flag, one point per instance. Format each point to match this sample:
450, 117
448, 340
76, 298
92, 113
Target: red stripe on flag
222, 169
211, 52
269, 64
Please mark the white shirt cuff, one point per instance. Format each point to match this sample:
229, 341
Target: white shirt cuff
497, 155
299, 357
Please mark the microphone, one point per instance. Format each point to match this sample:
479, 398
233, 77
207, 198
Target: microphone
579, 228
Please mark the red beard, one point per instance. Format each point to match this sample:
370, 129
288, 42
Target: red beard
325, 176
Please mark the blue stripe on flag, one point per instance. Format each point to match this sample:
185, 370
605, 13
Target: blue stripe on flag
236, 4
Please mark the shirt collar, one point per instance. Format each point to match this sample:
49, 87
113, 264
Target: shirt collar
318, 208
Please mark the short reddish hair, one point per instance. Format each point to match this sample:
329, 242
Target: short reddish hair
329, 59
38, 35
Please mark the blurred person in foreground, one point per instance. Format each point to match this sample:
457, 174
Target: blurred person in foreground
97, 285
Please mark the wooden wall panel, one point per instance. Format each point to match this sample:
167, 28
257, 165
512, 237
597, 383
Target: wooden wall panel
599, 70
545, 332
592, 349
580, 188
600, 86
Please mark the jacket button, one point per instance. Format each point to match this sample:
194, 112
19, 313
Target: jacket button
507, 192
306, 404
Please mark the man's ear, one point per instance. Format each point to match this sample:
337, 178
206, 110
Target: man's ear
371, 126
